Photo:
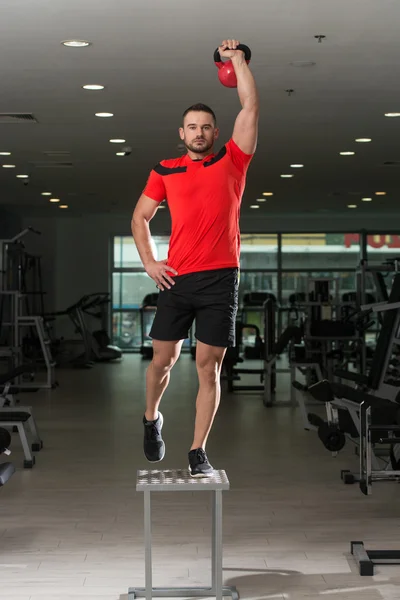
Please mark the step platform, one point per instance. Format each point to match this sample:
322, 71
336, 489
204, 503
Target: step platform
179, 480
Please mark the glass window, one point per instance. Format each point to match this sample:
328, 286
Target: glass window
295, 282
304, 256
380, 247
127, 333
258, 251
127, 256
320, 251
257, 282
129, 289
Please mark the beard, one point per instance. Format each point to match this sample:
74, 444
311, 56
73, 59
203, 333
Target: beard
199, 148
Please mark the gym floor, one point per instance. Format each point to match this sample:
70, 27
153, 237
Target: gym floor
73, 526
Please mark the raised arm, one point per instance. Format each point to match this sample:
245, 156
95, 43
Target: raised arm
245, 131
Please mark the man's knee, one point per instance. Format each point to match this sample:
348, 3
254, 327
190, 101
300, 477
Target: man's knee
165, 356
208, 373
209, 364
163, 363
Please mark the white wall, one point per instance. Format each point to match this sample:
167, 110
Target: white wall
74, 256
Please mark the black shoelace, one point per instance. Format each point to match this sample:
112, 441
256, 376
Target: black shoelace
201, 456
153, 432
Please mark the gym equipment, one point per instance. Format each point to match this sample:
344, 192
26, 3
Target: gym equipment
368, 272
15, 263
19, 346
226, 71
96, 345
9, 386
64, 350
5, 440
331, 436
23, 335
251, 316
20, 417
367, 559
102, 349
265, 348
147, 313
6, 469
368, 414
181, 481
332, 330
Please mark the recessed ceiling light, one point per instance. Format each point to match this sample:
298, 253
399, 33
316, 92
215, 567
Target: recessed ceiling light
117, 141
8, 166
46, 193
254, 206
54, 200
5, 153
296, 166
287, 176
363, 140
93, 87
392, 114
76, 43
303, 63
367, 199
380, 193
63, 206
268, 193
352, 206
22, 176
347, 153
120, 153
104, 114
261, 199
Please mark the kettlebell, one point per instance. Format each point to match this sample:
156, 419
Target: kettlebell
226, 71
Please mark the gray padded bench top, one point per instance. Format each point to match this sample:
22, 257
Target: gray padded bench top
6, 471
16, 416
177, 480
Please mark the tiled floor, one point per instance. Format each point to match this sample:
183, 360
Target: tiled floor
73, 526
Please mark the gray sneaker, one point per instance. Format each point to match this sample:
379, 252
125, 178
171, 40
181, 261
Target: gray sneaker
153, 445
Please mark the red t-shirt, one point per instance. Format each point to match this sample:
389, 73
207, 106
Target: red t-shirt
204, 198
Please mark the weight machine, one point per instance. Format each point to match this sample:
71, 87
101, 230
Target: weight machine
7, 469
23, 334
147, 314
263, 347
366, 411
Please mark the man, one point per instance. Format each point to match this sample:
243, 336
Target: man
200, 278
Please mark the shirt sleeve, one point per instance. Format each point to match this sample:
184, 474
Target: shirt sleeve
238, 157
155, 188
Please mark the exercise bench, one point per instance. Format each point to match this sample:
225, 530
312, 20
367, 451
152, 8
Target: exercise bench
20, 418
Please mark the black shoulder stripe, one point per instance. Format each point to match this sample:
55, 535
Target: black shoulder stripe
216, 158
168, 171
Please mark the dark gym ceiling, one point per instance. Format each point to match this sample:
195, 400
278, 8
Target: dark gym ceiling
154, 58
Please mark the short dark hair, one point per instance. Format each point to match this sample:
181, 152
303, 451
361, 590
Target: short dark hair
200, 108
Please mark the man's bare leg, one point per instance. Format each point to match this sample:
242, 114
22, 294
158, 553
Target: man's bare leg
208, 362
165, 355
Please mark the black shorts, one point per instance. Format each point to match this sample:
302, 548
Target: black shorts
209, 297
